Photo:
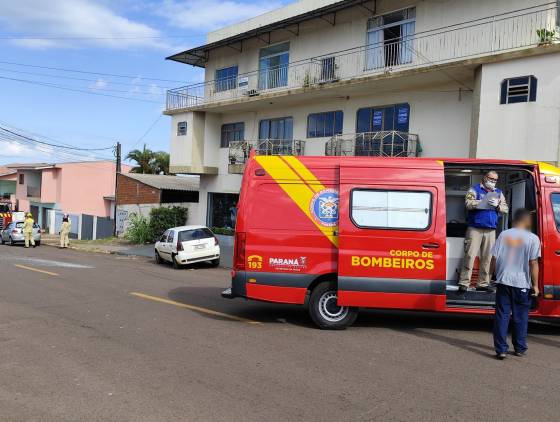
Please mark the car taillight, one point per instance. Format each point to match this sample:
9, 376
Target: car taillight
15, 231
239, 251
216, 243
179, 246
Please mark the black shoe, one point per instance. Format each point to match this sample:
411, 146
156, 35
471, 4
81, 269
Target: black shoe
500, 356
487, 289
520, 354
462, 289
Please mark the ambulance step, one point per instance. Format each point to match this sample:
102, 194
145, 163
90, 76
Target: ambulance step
469, 304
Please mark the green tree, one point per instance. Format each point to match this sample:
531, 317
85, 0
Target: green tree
148, 161
161, 162
144, 160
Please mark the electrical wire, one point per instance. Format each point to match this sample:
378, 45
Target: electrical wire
53, 145
62, 69
48, 75
147, 131
50, 85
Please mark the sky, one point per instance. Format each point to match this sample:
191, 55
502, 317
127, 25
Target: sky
115, 48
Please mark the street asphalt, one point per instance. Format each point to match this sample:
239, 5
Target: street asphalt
94, 337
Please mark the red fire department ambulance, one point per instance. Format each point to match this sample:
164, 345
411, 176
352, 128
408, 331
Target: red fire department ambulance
342, 233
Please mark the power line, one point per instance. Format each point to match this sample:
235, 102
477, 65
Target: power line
53, 145
95, 89
77, 90
147, 131
73, 37
48, 75
91, 73
51, 151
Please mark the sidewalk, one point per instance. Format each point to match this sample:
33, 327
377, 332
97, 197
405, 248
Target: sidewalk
122, 247
109, 246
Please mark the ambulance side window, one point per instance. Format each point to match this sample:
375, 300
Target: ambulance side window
555, 200
391, 209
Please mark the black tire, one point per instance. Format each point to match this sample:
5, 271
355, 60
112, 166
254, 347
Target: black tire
324, 312
2, 241
12, 241
158, 257
38, 243
176, 265
215, 262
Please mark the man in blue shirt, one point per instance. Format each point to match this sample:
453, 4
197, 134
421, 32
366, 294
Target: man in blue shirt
484, 203
515, 260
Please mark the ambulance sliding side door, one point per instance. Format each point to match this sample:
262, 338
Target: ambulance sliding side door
392, 238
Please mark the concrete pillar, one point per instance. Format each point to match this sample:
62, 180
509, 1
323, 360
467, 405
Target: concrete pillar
94, 235
475, 115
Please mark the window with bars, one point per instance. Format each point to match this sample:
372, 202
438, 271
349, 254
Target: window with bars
521, 89
181, 128
232, 132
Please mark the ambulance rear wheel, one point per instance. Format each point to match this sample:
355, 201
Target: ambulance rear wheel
324, 310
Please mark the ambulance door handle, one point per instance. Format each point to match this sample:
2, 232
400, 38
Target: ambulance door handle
430, 245
557, 252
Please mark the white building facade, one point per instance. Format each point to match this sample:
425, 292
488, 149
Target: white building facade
431, 78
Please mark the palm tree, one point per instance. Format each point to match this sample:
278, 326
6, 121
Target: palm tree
161, 162
144, 160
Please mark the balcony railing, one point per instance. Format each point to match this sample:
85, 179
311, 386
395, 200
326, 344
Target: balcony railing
374, 144
239, 150
482, 37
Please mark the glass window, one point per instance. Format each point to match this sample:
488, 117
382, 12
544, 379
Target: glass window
21, 178
181, 128
226, 79
273, 66
171, 236
196, 234
232, 132
555, 199
407, 210
163, 237
276, 128
324, 124
518, 90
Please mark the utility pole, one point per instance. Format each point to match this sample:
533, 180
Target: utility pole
117, 172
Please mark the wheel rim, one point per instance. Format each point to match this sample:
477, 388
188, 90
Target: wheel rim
329, 310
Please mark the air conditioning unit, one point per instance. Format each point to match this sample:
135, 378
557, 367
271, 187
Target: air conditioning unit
243, 87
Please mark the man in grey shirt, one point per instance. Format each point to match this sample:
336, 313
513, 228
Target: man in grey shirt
515, 261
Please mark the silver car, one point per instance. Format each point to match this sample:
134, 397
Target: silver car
13, 234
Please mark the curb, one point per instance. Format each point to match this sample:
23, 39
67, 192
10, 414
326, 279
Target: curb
93, 250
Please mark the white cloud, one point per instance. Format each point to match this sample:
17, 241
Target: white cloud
100, 83
87, 22
203, 15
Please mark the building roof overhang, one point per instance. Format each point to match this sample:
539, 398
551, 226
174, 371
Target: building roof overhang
198, 56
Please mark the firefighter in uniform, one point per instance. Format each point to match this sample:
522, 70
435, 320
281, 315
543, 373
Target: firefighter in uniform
483, 214
65, 231
28, 230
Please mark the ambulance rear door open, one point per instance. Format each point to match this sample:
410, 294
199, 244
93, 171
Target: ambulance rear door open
392, 251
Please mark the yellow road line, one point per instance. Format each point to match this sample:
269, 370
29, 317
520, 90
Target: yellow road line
193, 308
35, 269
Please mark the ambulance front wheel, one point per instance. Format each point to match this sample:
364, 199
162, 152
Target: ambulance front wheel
324, 310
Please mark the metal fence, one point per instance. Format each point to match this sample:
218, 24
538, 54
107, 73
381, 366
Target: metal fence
499, 33
239, 150
374, 144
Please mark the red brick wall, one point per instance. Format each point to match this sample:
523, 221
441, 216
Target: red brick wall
130, 191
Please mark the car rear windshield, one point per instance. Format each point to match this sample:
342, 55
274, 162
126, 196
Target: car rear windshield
195, 234
19, 225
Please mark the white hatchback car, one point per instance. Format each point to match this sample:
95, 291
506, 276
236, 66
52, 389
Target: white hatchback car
187, 245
